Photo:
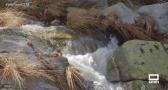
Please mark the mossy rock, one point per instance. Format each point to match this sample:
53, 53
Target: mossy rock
52, 38
53, 35
136, 59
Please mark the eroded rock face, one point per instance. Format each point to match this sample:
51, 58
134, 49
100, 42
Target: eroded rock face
159, 12
136, 59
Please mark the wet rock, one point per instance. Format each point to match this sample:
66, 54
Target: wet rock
82, 45
12, 40
159, 13
60, 63
120, 11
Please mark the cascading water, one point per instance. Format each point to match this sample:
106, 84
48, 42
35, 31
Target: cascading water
93, 65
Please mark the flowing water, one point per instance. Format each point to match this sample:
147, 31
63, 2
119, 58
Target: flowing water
93, 65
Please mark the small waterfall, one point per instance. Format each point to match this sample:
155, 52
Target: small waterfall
93, 65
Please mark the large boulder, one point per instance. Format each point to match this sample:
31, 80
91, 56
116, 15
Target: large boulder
121, 11
159, 12
135, 59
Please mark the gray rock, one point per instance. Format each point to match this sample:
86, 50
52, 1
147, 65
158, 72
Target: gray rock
124, 14
82, 45
159, 12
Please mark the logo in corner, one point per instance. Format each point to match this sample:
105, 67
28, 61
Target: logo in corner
153, 78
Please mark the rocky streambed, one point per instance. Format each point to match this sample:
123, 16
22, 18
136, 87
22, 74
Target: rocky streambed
98, 60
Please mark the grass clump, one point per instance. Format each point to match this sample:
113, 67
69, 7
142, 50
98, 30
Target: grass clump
83, 19
148, 31
11, 18
74, 78
89, 20
47, 10
15, 70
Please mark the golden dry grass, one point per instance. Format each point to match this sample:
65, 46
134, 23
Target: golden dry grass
47, 10
79, 19
13, 69
89, 21
74, 78
11, 18
132, 31
128, 31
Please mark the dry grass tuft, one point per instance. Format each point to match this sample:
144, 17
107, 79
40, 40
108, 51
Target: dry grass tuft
83, 19
11, 18
132, 31
89, 21
74, 78
15, 70
128, 31
47, 10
